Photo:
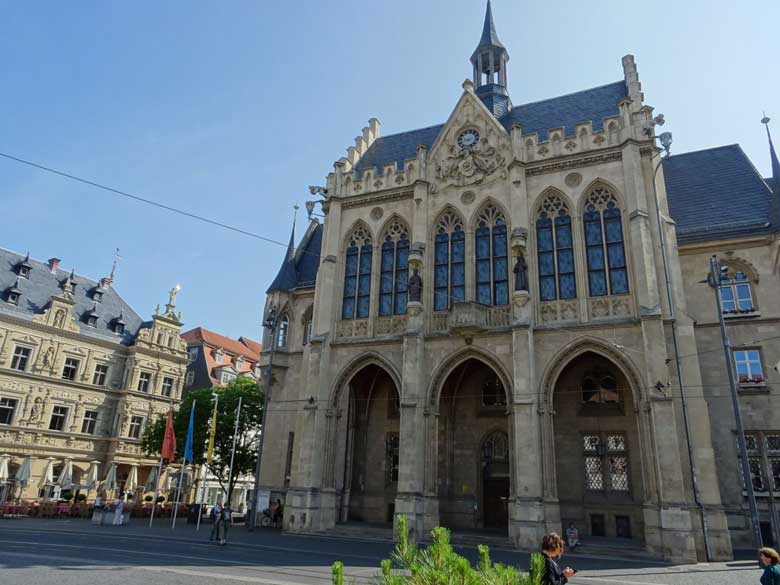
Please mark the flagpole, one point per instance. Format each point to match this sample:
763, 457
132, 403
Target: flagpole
202, 487
233, 451
156, 490
187, 456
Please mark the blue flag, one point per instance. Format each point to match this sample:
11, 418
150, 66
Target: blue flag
188, 445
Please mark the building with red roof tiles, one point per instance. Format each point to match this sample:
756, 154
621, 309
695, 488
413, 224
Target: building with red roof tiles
216, 360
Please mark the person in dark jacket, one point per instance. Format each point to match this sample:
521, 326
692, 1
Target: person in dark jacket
769, 559
552, 549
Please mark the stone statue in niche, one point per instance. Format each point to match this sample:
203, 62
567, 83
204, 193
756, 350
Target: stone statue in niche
48, 357
37, 410
521, 273
59, 318
415, 287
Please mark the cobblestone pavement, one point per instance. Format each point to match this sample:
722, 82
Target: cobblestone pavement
73, 552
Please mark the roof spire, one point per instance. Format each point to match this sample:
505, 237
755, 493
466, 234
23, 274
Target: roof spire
489, 61
287, 275
489, 35
773, 157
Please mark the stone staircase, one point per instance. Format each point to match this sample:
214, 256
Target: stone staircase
618, 548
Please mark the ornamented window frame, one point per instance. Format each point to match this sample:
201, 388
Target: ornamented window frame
554, 217
394, 269
605, 255
356, 294
491, 233
737, 284
449, 276
604, 453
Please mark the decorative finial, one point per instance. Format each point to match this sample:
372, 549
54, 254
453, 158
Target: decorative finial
765, 120
117, 258
157, 309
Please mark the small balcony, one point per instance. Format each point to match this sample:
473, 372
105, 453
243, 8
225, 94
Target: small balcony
466, 317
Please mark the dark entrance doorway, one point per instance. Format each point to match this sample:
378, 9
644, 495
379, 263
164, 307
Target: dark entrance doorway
496, 499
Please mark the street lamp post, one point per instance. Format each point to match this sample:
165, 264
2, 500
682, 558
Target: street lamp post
269, 323
716, 269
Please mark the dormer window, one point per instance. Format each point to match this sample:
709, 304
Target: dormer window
13, 294
218, 356
97, 296
92, 316
119, 328
92, 321
239, 363
119, 324
24, 267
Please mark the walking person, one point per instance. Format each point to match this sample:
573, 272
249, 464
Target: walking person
552, 549
226, 519
216, 515
769, 559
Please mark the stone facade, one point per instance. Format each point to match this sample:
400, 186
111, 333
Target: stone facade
522, 385
79, 390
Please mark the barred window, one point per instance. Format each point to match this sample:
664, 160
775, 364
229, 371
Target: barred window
606, 462
605, 252
357, 275
449, 281
555, 251
394, 270
492, 266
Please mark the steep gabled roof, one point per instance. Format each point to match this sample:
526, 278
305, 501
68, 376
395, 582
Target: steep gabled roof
203, 336
42, 284
566, 111
716, 194
300, 266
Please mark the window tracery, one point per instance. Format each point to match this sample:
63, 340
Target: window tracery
394, 269
492, 272
605, 252
555, 250
449, 261
357, 274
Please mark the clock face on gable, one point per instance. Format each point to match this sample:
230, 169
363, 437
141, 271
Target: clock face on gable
468, 139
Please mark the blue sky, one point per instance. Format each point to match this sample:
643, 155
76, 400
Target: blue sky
231, 109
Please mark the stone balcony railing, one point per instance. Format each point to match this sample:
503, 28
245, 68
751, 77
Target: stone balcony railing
467, 316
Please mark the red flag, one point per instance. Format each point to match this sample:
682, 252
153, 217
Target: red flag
169, 442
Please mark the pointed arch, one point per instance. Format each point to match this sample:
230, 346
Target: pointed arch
447, 366
354, 366
554, 246
491, 254
736, 286
605, 251
571, 351
358, 252
449, 270
393, 267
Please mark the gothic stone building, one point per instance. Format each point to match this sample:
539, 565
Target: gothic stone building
81, 374
479, 335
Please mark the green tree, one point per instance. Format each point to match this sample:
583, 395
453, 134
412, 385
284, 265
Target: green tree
249, 424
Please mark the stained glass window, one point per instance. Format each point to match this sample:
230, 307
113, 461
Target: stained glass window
604, 244
449, 278
492, 269
357, 275
394, 270
555, 251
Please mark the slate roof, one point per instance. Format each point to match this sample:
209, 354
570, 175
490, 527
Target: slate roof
489, 37
37, 290
566, 111
299, 268
717, 194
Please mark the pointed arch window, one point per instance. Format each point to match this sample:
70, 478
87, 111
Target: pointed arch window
492, 265
284, 329
394, 270
357, 275
605, 251
449, 279
555, 251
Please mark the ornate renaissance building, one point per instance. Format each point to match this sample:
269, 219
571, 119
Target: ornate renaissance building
81, 374
501, 325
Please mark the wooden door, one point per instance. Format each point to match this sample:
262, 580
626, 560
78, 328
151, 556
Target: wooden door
496, 502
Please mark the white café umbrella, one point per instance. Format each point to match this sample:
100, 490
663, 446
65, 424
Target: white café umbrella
151, 480
4, 468
92, 475
23, 473
65, 480
48, 474
110, 482
132, 479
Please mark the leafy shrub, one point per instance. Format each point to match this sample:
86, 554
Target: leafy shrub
439, 564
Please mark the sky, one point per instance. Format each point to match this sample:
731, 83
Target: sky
231, 109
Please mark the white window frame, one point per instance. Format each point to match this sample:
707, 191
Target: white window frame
753, 363
135, 421
282, 336
192, 354
76, 368
147, 382
189, 379
64, 417
226, 377
86, 420
170, 388
7, 407
104, 374
27, 358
